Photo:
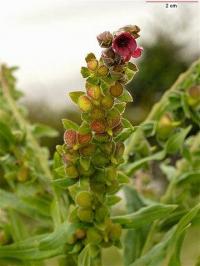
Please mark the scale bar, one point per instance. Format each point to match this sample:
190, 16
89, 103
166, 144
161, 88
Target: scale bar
172, 1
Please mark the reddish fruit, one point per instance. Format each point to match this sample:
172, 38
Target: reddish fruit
116, 90
98, 126
84, 103
84, 138
93, 91
70, 137
107, 102
80, 233
92, 64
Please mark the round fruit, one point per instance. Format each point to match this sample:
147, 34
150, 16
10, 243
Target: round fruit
84, 199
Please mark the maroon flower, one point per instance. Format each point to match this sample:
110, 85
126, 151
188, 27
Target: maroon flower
125, 45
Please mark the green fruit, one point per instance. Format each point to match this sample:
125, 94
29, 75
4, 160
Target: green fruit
71, 171
193, 96
85, 215
84, 103
165, 126
107, 102
94, 236
102, 70
101, 213
84, 199
80, 233
116, 90
113, 118
115, 232
102, 137
97, 113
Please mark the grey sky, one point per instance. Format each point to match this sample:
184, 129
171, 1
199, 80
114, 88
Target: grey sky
48, 39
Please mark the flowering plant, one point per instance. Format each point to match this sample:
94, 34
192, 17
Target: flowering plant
64, 208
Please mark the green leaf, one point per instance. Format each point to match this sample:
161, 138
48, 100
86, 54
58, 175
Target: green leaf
63, 182
84, 257
124, 134
130, 168
85, 72
9, 200
40, 130
189, 177
112, 199
175, 142
144, 216
85, 163
6, 135
125, 97
120, 106
58, 237
74, 95
68, 124
134, 239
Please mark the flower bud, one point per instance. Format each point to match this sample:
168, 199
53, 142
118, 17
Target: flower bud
71, 171
98, 126
93, 91
84, 199
107, 102
92, 64
116, 90
70, 137
132, 29
102, 70
84, 103
85, 215
94, 236
113, 118
84, 138
105, 39
80, 233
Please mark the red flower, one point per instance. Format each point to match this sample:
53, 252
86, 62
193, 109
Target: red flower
125, 45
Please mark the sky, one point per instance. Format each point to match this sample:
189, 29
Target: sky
48, 39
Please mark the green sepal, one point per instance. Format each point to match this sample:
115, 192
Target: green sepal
125, 97
74, 95
85, 72
68, 124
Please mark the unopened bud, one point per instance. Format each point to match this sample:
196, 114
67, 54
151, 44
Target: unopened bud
116, 90
107, 102
80, 233
84, 103
84, 199
105, 39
